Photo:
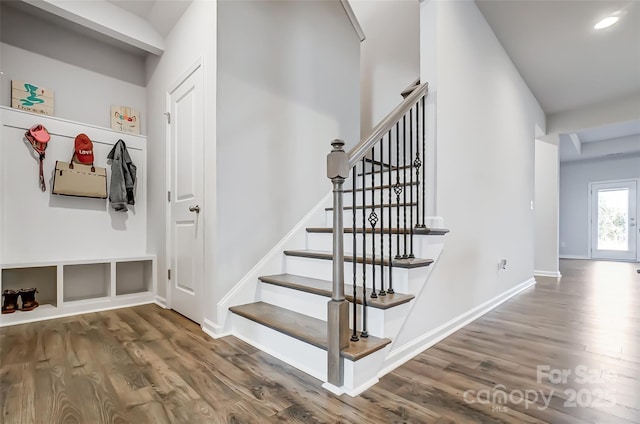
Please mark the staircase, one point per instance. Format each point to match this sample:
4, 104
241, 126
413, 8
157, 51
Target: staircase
336, 315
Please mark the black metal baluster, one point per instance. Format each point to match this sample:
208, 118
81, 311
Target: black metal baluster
382, 292
424, 157
404, 182
417, 164
410, 188
364, 332
354, 334
373, 220
397, 188
390, 208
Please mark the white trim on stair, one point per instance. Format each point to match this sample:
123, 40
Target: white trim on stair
410, 350
214, 330
555, 274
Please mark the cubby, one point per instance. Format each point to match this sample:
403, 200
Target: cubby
86, 281
74, 287
43, 278
133, 277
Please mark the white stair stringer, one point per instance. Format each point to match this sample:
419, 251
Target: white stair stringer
245, 291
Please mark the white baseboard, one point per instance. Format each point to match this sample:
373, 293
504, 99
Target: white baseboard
555, 274
161, 302
574, 257
410, 350
361, 388
214, 330
333, 389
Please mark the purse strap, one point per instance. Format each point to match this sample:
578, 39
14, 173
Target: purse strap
93, 168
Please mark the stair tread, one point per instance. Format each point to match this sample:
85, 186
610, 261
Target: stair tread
385, 205
397, 263
416, 231
305, 328
323, 288
382, 187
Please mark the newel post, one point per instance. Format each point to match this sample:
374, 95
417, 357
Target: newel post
338, 308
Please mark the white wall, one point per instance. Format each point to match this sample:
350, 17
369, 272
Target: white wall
288, 83
486, 119
193, 38
86, 75
390, 58
546, 209
574, 197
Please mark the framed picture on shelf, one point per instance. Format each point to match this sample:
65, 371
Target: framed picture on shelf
31, 97
125, 119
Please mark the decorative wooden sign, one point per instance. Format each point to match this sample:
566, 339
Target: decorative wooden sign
125, 119
32, 98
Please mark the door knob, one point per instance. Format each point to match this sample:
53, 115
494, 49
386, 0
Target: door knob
195, 209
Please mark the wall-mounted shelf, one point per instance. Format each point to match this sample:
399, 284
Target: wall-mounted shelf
74, 287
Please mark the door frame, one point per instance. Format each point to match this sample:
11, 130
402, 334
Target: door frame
590, 216
198, 64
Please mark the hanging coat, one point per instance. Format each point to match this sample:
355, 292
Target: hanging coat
123, 177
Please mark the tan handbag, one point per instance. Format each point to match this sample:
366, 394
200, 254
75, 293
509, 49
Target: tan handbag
74, 179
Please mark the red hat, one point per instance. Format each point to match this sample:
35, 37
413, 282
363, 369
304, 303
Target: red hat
39, 133
84, 149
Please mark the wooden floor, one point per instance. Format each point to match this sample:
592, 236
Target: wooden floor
149, 365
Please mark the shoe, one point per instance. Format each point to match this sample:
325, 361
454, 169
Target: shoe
28, 297
10, 303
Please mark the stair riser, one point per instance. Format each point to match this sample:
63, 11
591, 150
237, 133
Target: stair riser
380, 322
422, 245
297, 353
404, 280
347, 216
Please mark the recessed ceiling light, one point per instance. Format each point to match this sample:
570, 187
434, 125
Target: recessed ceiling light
606, 22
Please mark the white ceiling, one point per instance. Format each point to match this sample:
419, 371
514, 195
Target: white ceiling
568, 65
564, 60
161, 14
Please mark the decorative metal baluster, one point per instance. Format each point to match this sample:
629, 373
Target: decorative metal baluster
390, 208
410, 188
397, 188
417, 164
404, 182
354, 334
364, 332
373, 220
424, 157
382, 292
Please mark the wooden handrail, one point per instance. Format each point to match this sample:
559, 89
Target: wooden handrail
359, 151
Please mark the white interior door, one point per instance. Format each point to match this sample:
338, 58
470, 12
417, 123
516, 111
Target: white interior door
186, 122
614, 226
